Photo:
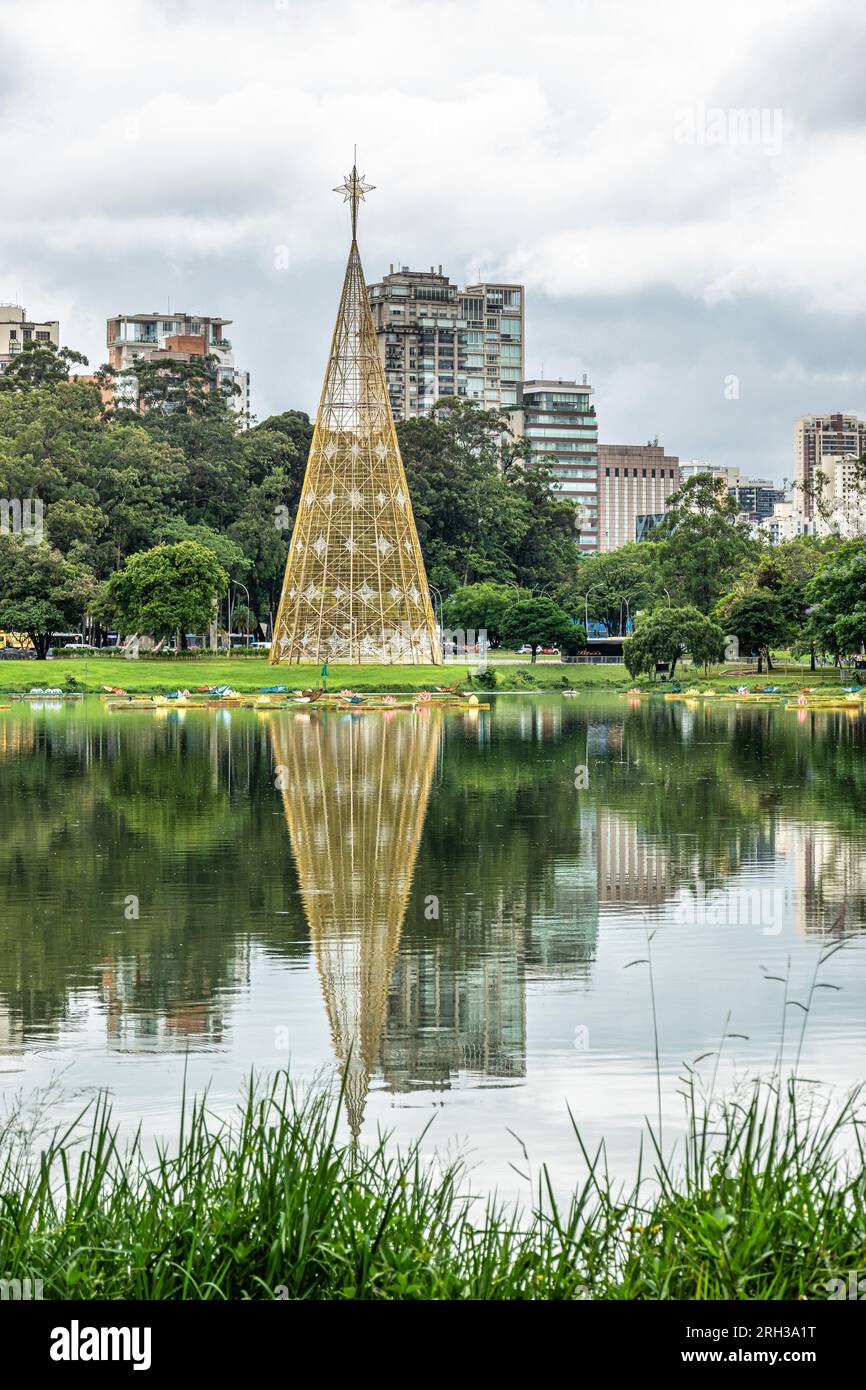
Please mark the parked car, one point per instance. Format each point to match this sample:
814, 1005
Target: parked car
17, 654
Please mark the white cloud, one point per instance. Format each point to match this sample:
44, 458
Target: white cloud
162, 147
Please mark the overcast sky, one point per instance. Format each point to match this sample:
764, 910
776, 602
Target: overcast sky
706, 273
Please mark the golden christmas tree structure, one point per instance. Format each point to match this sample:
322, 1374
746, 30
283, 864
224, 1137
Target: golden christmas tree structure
355, 589
355, 793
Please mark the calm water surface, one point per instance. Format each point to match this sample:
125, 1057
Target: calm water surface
452, 902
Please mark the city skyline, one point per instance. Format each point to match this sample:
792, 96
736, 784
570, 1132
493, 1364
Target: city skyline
670, 234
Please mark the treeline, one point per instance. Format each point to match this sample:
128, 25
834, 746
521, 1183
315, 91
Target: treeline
701, 579
114, 483
148, 518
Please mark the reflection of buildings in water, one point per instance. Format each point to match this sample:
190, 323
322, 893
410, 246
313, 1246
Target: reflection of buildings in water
17, 736
458, 1007
11, 1030
355, 791
563, 927
829, 871
603, 737
534, 721
145, 1010
447, 1014
632, 869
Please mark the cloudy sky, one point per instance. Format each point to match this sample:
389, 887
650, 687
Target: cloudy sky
704, 269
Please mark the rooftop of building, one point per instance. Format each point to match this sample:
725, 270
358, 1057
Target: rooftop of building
167, 315
559, 383
16, 313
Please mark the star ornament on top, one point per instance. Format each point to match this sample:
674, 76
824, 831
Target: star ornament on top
353, 189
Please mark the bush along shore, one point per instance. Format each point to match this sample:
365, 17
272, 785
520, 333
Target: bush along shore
271, 1204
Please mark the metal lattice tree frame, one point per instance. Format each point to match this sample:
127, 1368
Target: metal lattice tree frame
355, 588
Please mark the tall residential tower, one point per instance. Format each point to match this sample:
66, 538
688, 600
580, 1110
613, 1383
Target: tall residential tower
436, 339
558, 418
818, 436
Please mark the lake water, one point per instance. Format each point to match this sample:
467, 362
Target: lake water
449, 903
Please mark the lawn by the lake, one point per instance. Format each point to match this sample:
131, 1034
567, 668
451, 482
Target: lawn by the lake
249, 673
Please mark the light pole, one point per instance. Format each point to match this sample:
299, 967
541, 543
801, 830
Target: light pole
238, 585
586, 608
668, 592
437, 599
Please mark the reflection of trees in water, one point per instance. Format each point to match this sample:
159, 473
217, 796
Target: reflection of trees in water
183, 814
169, 811
724, 788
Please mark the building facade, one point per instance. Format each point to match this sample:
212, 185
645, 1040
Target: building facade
16, 330
558, 418
756, 497
820, 436
169, 337
841, 498
439, 340
786, 522
634, 481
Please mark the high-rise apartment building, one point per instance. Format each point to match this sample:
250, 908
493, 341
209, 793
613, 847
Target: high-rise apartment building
558, 418
817, 436
173, 337
16, 330
439, 340
634, 480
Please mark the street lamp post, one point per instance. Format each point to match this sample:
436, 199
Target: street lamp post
586, 607
437, 602
238, 585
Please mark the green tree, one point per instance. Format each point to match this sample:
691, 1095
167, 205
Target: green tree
704, 546
537, 622
480, 606
757, 619
837, 601
192, 387
484, 512
41, 593
225, 550
37, 365
663, 636
172, 588
608, 581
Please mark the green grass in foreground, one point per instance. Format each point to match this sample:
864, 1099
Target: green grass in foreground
272, 1205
